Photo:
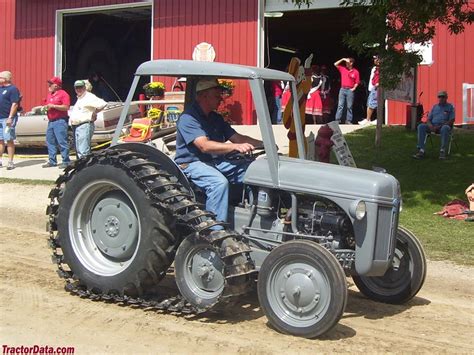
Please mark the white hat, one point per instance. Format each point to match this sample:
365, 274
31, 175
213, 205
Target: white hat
207, 83
6, 75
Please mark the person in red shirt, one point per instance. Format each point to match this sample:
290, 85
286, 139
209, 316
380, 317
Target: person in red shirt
57, 104
350, 79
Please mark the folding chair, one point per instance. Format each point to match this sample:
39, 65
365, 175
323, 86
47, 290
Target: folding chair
451, 139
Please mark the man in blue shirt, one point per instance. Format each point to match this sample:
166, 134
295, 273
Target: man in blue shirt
440, 120
202, 141
9, 99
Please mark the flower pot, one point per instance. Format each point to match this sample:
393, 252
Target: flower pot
150, 92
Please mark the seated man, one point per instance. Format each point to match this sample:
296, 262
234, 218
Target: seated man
201, 144
440, 120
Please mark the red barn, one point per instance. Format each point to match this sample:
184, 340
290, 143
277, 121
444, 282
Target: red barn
74, 38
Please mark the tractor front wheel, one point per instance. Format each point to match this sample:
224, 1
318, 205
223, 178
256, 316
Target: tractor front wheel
405, 277
302, 289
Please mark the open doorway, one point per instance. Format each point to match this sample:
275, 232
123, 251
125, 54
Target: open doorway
320, 32
110, 43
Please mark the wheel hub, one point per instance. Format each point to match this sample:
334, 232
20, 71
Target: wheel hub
114, 227
205, 267
206, 271
300, 291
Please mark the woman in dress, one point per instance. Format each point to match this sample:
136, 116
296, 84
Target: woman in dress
314, 105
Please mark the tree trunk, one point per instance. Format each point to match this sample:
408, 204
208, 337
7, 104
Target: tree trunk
380, 116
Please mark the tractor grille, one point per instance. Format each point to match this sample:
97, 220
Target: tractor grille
387, 222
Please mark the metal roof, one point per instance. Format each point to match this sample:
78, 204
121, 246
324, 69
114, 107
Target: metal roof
174, 67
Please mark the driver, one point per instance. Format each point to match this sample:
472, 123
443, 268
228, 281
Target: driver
202, 143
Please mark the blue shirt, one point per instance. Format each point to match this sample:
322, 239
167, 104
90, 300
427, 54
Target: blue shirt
192, 124
8, 95
440, 114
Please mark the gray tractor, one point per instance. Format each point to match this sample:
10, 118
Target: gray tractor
120, 218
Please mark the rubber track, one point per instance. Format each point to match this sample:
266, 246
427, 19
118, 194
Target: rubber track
169, 194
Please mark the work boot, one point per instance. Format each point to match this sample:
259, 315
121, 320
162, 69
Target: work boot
419, 155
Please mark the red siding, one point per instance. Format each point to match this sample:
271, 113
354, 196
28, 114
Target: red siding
229, 25
27, 33
452, 57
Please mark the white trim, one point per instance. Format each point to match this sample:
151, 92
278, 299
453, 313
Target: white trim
58, 33
285, 5
260, 34
58, 47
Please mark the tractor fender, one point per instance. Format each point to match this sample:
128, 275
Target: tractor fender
158, 157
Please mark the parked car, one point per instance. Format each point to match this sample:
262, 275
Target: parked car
31, 127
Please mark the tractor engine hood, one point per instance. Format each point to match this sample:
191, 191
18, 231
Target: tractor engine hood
309, 177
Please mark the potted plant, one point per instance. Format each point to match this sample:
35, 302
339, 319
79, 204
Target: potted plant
155, 88
228, 86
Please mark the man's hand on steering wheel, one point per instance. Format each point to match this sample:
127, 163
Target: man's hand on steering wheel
243, 148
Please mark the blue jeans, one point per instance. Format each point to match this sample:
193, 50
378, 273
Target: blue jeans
444, 132
214, 178
346, 98
56, 135
82, 138
279, 113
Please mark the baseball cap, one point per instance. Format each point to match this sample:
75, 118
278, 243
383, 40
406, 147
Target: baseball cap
79, 83
442, 93
207, 83
6, 75
55, 80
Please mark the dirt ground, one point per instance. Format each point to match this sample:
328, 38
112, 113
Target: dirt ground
35, 310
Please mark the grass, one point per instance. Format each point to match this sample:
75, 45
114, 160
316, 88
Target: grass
427, 185
26, 182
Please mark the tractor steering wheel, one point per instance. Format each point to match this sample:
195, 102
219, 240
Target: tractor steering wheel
249, 156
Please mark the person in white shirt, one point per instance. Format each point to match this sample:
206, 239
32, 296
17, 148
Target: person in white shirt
83, 116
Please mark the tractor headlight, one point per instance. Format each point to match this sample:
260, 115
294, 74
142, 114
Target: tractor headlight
358, 210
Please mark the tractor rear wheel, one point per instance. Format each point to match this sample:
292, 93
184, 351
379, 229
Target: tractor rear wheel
302, 289
113, 236
402, 281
